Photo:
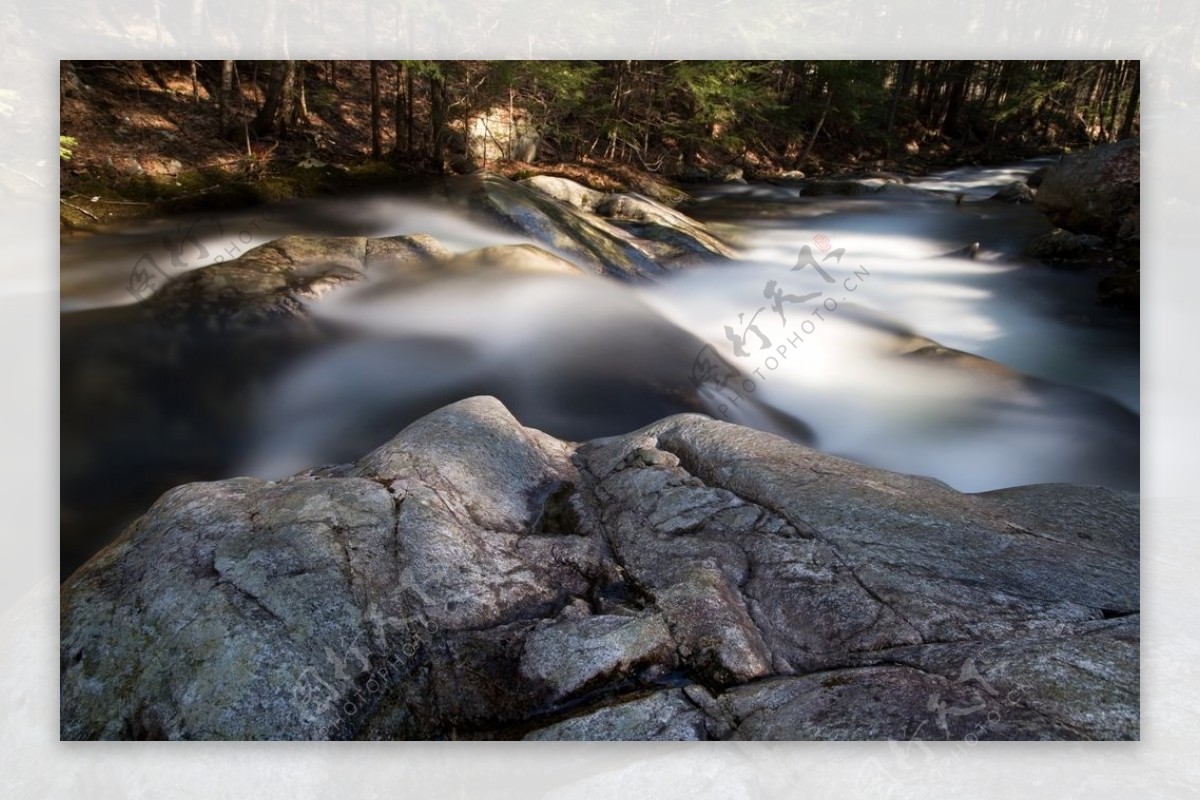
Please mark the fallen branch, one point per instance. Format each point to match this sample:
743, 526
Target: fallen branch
78, 209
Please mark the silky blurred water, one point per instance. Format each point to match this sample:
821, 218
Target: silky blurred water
809, 329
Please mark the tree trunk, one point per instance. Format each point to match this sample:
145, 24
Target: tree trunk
300, 111
264, 121
287, 105
955, 98
409, 145
224, 96
397, 110
898, 92
1100, 95
376, 114
812, 140
437, 121
1131, 108
1114, 100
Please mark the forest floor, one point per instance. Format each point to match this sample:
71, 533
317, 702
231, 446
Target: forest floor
147, 142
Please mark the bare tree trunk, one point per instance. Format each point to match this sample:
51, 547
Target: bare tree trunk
287, 105
397, 110
1099, 96
264, 121
300, 113
1114, 100
512, 124
224, 96
1131, 108
812, 140
956, 95
376, 114
437, 121
408, 111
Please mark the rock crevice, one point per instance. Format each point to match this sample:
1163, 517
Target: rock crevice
472, 578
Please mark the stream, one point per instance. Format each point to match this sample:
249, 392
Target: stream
813, 332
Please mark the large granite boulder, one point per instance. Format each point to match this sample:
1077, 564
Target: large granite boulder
473, 578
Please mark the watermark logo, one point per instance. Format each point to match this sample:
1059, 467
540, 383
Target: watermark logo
981, 700
349, 681
185, 249
761, 345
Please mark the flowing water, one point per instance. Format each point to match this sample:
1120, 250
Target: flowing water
807, 334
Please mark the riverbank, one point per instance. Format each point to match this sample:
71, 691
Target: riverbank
143, 140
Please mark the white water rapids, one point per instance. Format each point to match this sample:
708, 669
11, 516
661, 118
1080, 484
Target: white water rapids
585, 357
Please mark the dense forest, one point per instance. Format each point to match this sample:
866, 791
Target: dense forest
680, 119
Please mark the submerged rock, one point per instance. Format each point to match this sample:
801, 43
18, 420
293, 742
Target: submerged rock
838, 188
274, 281
269, 282
690, 580
887, 186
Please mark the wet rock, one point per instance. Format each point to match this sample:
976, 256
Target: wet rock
506, 258
730, 175
274, 281
267, 283
670, 234
1056, 244
649, 219
693, 579
402, 254
1036, 178
1093, 191
591, 242
573, 194
1015, 192
788, 176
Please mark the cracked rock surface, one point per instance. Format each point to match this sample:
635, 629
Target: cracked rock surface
473, 578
